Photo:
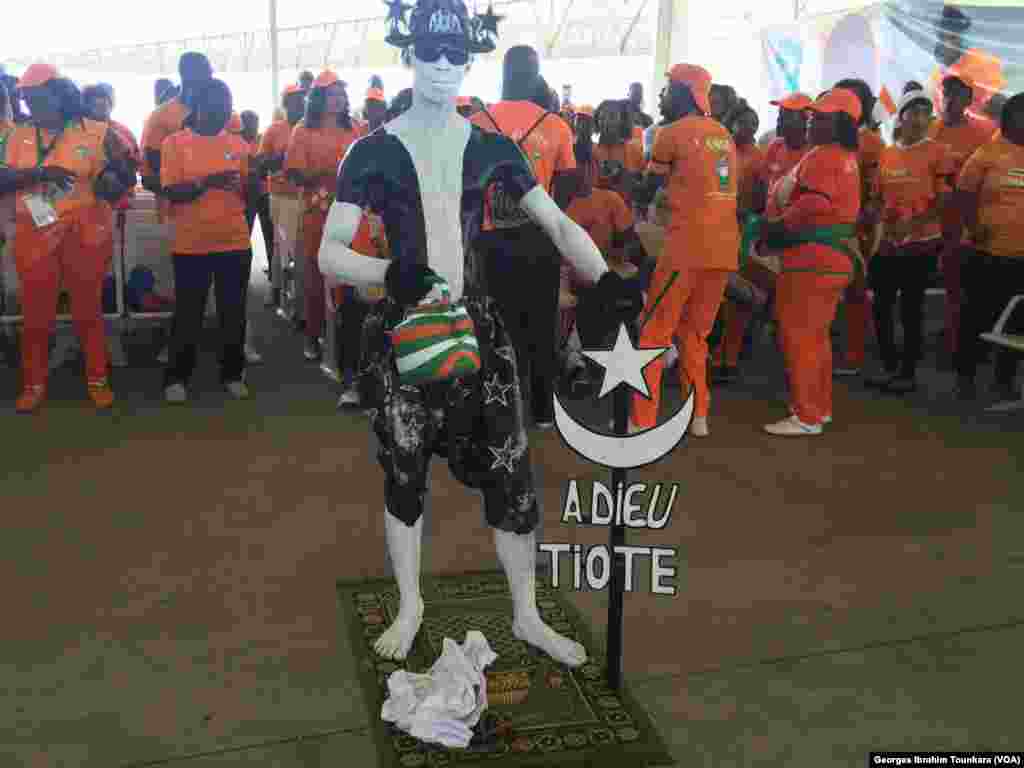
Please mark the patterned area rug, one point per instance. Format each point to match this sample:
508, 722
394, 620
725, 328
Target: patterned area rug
552, 715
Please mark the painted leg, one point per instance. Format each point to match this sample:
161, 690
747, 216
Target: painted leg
518, 555
405, 544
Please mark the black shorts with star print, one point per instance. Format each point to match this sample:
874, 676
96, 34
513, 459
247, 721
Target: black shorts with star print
476, 422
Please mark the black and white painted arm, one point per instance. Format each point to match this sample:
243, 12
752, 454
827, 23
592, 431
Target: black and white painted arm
338, 262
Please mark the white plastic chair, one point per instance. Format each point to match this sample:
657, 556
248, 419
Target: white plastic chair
1015, 342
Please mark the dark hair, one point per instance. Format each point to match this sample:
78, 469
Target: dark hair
69, 97
1011, 119
584, 144
193, 67
316, 104
626, 126
912, 85
542, 94
846, 131
740, 111
867, 98
213, 92
724, 90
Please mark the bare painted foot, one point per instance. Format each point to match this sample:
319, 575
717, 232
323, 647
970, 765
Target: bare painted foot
397, 640
538, 634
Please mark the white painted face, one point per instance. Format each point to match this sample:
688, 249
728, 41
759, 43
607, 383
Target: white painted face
438, 82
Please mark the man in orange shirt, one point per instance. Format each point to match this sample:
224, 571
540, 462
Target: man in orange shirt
694, 159
195, 71
204, 172
285, 213
522, 264
315, 150
61, 165
990, 196
780, 157
913, 185
962, 134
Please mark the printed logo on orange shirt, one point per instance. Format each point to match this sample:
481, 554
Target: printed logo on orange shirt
1014, 178
717, 143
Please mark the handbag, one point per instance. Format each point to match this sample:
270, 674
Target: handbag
436, 341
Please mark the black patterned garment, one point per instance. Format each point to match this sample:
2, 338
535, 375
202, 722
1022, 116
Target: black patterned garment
476, 422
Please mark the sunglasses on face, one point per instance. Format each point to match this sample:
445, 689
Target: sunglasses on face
431, 52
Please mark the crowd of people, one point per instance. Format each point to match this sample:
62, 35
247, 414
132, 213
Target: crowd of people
716, 225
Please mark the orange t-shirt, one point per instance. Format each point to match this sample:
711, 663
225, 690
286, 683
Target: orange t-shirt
699, 157
319, 151
602, 214
910, 182
778, 163
869, 155
370, 240
963, 138
275, 142
79, 149
629, 155
215, 221
750, 158
822, 191
545, 139
996, 173
166, 120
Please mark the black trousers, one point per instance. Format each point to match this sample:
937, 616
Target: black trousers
229, 272
351, 317
988, 283
261, 207
905, 271
523, 269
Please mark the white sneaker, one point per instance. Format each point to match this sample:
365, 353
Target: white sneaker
176, 394
826, 420
699, 427
349, 399
237, 389
252, 357
792, 427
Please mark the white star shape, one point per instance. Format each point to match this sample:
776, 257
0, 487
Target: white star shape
625, 364
506, 456
494, 390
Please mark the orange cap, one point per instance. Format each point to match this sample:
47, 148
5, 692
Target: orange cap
234, 123
325, 79
980, 69
585, 109
697, 79
37, 75
839, 100
795, 102
375, 94
293, 88
463, 101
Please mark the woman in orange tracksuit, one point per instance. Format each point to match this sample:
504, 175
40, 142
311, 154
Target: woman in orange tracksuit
816, 233
60, 164
694, 159
618, 156
857, 304
780, 157
315, 149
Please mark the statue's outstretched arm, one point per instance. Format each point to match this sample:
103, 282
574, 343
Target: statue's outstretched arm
338, 262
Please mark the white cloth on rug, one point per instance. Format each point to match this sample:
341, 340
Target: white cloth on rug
443, 705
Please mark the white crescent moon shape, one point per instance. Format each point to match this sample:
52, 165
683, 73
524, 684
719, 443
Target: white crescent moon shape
630, 452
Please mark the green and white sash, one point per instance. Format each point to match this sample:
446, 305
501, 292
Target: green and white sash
436, 341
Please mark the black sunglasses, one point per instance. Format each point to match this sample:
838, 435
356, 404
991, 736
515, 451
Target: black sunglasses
430, 52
